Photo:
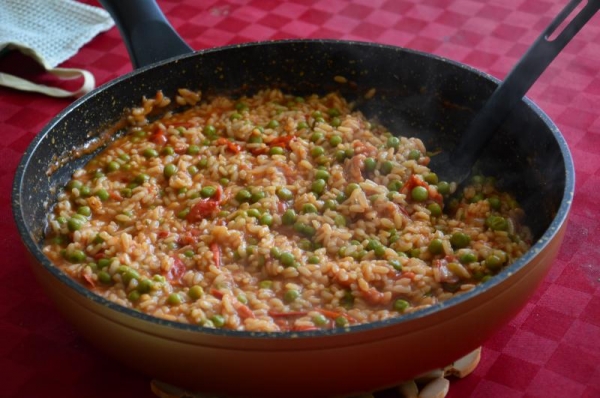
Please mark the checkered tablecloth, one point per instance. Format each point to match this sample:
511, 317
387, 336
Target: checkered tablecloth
551, 349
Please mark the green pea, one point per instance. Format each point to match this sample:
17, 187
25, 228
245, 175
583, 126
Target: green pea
243, 195
431, 178
333, 112
218, 320
273, 124
255, 139
351, 188
102, 194
401, 305
287, 259
317, 151
84, 211
341, 321
202, 163
414, 154
235, 116
257, 196
150, 153
329, 204
104, 277
242, 299
419, 194
112, 166
75, 224
192, 170
188, 253
74, 184
193, 150
396, 264
142, 178
305, 229
288, 217
443, 188
320, 320
414, 253
435, 209
340, 155
305, 244
275, 252
254, 213
85, 191
208, 191
318, 186
336, 121
316, 136
460, 240
209, 130
133, 296
493, 262
169, 170
276, 150
372, 244
266, 219
339, 220
224, 181
494, 202
386, 167
128, 275
478, 197
370, 164
76, 256
379, 251
313, 260
477, 179
168, 150
284, 194
183, 213
395, 185
309, 208
341, 197
174, 299
335, 140
291, 295
436, 246
196, 292
104, 262
145, 286
496, 223
393, 142
126, 192
467, 258
301, 125
322, 175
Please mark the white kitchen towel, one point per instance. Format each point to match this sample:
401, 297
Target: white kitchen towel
50, 31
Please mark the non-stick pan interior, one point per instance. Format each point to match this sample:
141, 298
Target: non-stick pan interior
414, 94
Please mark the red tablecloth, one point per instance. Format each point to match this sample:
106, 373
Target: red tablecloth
551, 349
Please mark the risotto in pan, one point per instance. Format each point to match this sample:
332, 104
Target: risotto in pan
275, 213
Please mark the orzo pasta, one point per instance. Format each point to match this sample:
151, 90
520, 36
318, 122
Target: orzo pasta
275, 213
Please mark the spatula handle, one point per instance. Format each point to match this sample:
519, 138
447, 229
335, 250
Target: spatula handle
148, 36
519, 80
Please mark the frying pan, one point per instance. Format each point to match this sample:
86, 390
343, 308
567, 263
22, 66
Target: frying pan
416, 94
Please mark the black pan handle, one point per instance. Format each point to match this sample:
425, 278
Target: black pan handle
148, 36
517, 83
